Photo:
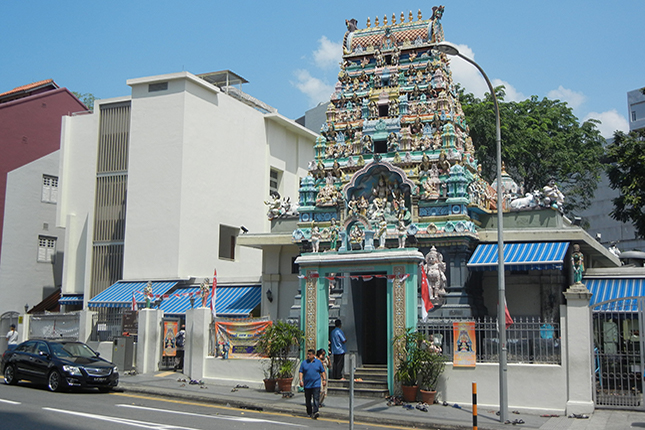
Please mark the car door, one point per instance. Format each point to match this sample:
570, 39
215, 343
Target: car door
41, 360
23, 358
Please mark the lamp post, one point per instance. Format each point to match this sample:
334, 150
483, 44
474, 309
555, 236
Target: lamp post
450, 49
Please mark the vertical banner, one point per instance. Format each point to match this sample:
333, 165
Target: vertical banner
240, 338
464, 352
169, 334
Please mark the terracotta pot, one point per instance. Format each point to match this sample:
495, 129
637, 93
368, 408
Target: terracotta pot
428, 396
410, 392
284, 384
269, 385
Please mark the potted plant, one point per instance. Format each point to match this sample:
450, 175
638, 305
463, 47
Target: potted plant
433, 366
279, 342
419, 363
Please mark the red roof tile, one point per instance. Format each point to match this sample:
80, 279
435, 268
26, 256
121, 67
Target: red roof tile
32, 86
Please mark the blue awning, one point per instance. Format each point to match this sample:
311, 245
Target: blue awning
615, 288
71, 299
520, 256
229, 301
119, 295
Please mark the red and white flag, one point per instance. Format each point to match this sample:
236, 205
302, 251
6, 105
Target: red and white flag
425, 296
134, 303
508, 318
213, 294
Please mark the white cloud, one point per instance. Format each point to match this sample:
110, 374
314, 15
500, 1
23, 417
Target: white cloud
313, 88
574, 99
512, 95
329, 54
469, 77
610, 122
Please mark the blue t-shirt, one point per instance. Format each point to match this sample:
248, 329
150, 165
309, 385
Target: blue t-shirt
338, 341
311, 371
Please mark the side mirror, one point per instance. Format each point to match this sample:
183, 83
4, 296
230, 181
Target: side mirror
43, 354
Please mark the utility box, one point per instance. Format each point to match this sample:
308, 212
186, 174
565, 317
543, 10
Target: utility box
123, 353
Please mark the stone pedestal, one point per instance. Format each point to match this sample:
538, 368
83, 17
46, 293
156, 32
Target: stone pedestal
456, 303
579, 362
196, 347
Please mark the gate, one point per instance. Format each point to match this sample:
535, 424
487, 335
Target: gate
6, 320
618, 353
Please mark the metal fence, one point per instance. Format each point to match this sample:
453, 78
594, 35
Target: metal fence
107, 324
54, 326
529, 340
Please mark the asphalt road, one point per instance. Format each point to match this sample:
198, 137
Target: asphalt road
32, 407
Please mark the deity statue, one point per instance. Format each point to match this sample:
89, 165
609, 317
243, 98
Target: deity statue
334, 231
578, 263
402, 233
274, 205
204, 289
352, 207
382, 232
315, 238
328, 195
147, 293
435, 271
363, 205
357, 235
552, 195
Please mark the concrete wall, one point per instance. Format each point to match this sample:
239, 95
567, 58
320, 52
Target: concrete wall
23, 279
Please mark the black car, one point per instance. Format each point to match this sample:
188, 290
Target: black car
59, 364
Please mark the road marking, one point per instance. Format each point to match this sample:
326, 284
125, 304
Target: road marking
222, 417
162, 374
11, 402
279, 414
133, 423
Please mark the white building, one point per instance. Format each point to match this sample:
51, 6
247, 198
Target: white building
157, 186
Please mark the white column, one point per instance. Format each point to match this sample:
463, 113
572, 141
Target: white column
196, 347
149, 340
85, 325
579, 363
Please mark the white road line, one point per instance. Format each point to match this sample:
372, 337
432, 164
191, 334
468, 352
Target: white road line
219, 417
133, 423
11, 402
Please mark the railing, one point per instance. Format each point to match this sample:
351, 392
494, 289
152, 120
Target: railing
107, 325
529, 340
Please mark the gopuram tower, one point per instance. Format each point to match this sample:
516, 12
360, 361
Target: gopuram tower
394, 189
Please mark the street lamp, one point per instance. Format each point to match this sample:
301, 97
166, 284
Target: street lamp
450, 49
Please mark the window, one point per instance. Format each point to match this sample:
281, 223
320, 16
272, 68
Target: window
295, 267
633, 115
161, 86
382, 110
380, 146
46, 249
274, 181
227, 241
50, 189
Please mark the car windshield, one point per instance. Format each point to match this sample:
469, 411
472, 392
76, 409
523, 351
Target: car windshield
72, 350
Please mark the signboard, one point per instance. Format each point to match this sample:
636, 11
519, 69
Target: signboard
129, 323
239, 339
464, 342
170, 329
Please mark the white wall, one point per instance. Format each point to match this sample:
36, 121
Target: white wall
24, 280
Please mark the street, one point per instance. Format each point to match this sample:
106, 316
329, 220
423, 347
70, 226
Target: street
31, 407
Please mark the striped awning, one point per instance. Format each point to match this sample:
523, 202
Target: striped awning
615, 288
520, 256
71, 299
119, 295
236, 301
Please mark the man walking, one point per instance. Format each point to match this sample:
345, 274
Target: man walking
312, 374
12, 338
338, 350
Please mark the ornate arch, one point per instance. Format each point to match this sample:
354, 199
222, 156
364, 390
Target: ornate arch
365, 179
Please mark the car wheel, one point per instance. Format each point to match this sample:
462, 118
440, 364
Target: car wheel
55, 381
10, 377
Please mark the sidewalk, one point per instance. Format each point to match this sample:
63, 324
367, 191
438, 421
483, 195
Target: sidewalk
366, 410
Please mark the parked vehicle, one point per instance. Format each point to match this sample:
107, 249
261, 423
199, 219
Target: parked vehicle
60, 365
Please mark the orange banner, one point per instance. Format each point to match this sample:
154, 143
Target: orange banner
169, 335
464, 352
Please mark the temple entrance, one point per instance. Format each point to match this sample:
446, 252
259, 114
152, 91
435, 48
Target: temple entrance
370, 312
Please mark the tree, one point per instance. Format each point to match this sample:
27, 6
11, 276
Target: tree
87, 99
626, 171
541, 139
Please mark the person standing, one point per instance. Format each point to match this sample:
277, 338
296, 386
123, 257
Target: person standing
12, 338
321, 354
338, 350
180, 341
312, 376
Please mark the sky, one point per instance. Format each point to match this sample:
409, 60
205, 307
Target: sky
587, 53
